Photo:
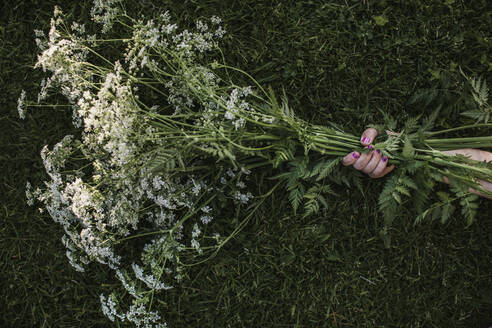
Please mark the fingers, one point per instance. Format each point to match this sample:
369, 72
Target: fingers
381, 170
368, 136
350, 158
362, 161
373, 163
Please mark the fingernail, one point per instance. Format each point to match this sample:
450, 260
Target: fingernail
385, 158
370, 147
365, 140
354, 155
378, 151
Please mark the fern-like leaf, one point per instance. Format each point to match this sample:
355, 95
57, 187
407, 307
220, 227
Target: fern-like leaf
387, 202
408, 150
296, 194
469, 208
423, 96
412, 123
480, 93
428, 122
326, 168
315, 197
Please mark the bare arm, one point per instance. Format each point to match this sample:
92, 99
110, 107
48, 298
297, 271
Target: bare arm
479, 155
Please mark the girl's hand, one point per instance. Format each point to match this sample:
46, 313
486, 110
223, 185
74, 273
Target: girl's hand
373, 164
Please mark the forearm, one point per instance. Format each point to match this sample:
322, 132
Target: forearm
484, 155
478, 155
487, 186
475, 154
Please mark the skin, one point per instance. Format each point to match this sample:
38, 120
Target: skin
376, 166
372, 164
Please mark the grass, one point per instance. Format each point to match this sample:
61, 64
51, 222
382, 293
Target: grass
342, 61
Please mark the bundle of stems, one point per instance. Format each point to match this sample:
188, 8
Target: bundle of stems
167, 139
270, 128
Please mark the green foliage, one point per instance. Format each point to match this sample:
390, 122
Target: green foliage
468, 201
344, 77
390, 198
428, 122
408, 150
301, 172
285, 152
480, 93
314, 197
412, 123
442, 209
323, 168
415, 183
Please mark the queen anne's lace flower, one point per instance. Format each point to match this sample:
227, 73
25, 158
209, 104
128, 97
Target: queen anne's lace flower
21, 106
122, 175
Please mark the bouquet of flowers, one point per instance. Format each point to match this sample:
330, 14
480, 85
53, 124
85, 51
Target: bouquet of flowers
167, 142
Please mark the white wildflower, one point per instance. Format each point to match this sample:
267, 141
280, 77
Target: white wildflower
21, 105
105, 12
149, 280
239, 123
206, 219
243, 198
230, 116
141, 317
215, 20
196, 189
108, 307
29, 194
73, 261
206, 209
196, 231
157, 182
130, 288
196, 245
79, 28
245, 171
220, 32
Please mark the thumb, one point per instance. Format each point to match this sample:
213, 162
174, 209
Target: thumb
368, 136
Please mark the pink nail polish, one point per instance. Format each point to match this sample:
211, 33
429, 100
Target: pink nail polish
365, 140
385, 158
370, 147
378, 151
354, 155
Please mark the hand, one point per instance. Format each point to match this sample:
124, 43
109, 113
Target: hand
372, 164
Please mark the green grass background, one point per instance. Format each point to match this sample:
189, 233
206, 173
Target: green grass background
342, 61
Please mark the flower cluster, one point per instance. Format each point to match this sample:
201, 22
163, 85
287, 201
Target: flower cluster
105, 12
21, 105
124, 177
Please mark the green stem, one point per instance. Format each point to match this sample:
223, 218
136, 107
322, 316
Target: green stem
459, 140
460, 165
463, 145
460, 128
333, 153
326, 141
